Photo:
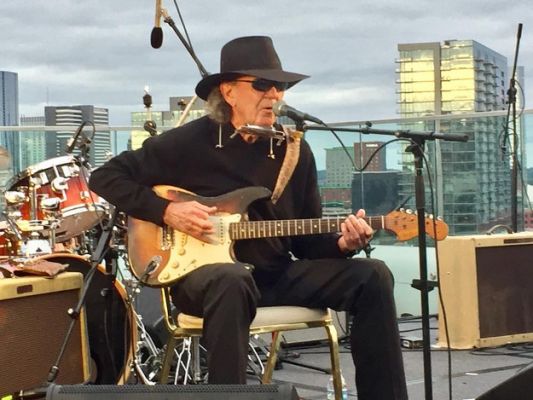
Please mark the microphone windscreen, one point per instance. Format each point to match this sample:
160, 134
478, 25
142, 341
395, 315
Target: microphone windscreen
156, 38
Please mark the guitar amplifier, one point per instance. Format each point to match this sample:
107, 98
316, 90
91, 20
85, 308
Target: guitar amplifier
33, 326
486, 285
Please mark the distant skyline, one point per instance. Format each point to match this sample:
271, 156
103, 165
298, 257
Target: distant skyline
98, 52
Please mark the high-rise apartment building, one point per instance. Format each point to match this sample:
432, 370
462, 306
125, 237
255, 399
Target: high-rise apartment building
170, 118
457, 77
9, 116
56, 141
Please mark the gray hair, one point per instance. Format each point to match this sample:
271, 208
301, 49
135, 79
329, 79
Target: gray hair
219, 110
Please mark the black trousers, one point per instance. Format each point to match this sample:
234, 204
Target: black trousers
226, 295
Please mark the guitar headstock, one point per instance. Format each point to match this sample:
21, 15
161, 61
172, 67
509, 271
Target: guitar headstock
404, 224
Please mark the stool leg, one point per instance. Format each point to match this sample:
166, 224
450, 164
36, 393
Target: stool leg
195, 360
272, 358
167, 361
335, 362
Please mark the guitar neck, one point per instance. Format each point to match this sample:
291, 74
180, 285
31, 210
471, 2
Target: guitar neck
294, 227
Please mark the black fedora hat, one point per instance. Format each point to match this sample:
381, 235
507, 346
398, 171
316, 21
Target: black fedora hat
249, 55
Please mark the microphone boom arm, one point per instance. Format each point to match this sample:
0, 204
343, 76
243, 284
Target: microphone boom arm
170, 22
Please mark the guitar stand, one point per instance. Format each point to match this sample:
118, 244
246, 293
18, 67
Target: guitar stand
74, 313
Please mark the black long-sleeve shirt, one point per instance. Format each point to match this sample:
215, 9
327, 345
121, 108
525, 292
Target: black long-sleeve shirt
188, 157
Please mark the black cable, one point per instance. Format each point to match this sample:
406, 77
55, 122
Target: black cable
374, 153
183, 25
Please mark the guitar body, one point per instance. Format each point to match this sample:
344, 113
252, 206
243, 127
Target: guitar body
179, 252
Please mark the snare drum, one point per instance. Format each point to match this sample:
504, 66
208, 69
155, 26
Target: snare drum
60, 183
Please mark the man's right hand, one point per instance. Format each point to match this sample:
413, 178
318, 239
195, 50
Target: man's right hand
190, 217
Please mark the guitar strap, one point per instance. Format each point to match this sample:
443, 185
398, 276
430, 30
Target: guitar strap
292, 155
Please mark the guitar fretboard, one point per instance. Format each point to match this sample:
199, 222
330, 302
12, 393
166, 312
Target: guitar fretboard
294, 227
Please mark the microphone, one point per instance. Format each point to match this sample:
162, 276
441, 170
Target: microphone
72, 141
156, 38
282, 109
152, 265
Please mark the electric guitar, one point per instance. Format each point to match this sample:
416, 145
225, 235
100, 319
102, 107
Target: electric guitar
161, 255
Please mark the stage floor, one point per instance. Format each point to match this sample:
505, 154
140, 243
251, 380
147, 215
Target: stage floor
473, 372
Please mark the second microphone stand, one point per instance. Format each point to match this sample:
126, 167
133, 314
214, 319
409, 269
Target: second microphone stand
418, 140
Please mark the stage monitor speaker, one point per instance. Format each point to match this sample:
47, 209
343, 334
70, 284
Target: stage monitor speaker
175, 392
485, 283
517, 387
33, 325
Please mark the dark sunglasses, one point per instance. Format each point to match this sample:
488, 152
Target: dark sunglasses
264, 85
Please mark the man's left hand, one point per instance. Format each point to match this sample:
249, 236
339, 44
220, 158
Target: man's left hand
356, 233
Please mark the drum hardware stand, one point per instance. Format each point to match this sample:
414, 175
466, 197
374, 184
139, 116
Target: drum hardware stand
33, 199
153, 359
96, 258
12, 225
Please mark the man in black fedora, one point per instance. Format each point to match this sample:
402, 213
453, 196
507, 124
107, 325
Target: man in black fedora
212, 156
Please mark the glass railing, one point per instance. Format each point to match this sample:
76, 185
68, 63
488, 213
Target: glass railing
467, 184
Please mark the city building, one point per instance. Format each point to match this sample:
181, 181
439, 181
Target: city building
32, 148
336, 190
339, 167
371, 153
472, 179
57, 141
9, 116
180, 112
375, 191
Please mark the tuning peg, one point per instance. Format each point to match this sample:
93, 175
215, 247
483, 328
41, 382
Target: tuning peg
409, 211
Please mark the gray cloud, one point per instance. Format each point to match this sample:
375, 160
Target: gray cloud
98, 52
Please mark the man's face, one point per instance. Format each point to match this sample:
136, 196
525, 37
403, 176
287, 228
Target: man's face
249, 105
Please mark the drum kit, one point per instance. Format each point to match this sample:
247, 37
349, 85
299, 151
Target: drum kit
51, 214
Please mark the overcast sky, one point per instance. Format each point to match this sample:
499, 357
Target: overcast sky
98, 51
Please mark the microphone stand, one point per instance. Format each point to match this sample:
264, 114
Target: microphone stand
418, 140
149, 125
203, 72
514, 145
185, 43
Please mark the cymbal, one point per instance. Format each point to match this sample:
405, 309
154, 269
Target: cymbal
5, 158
